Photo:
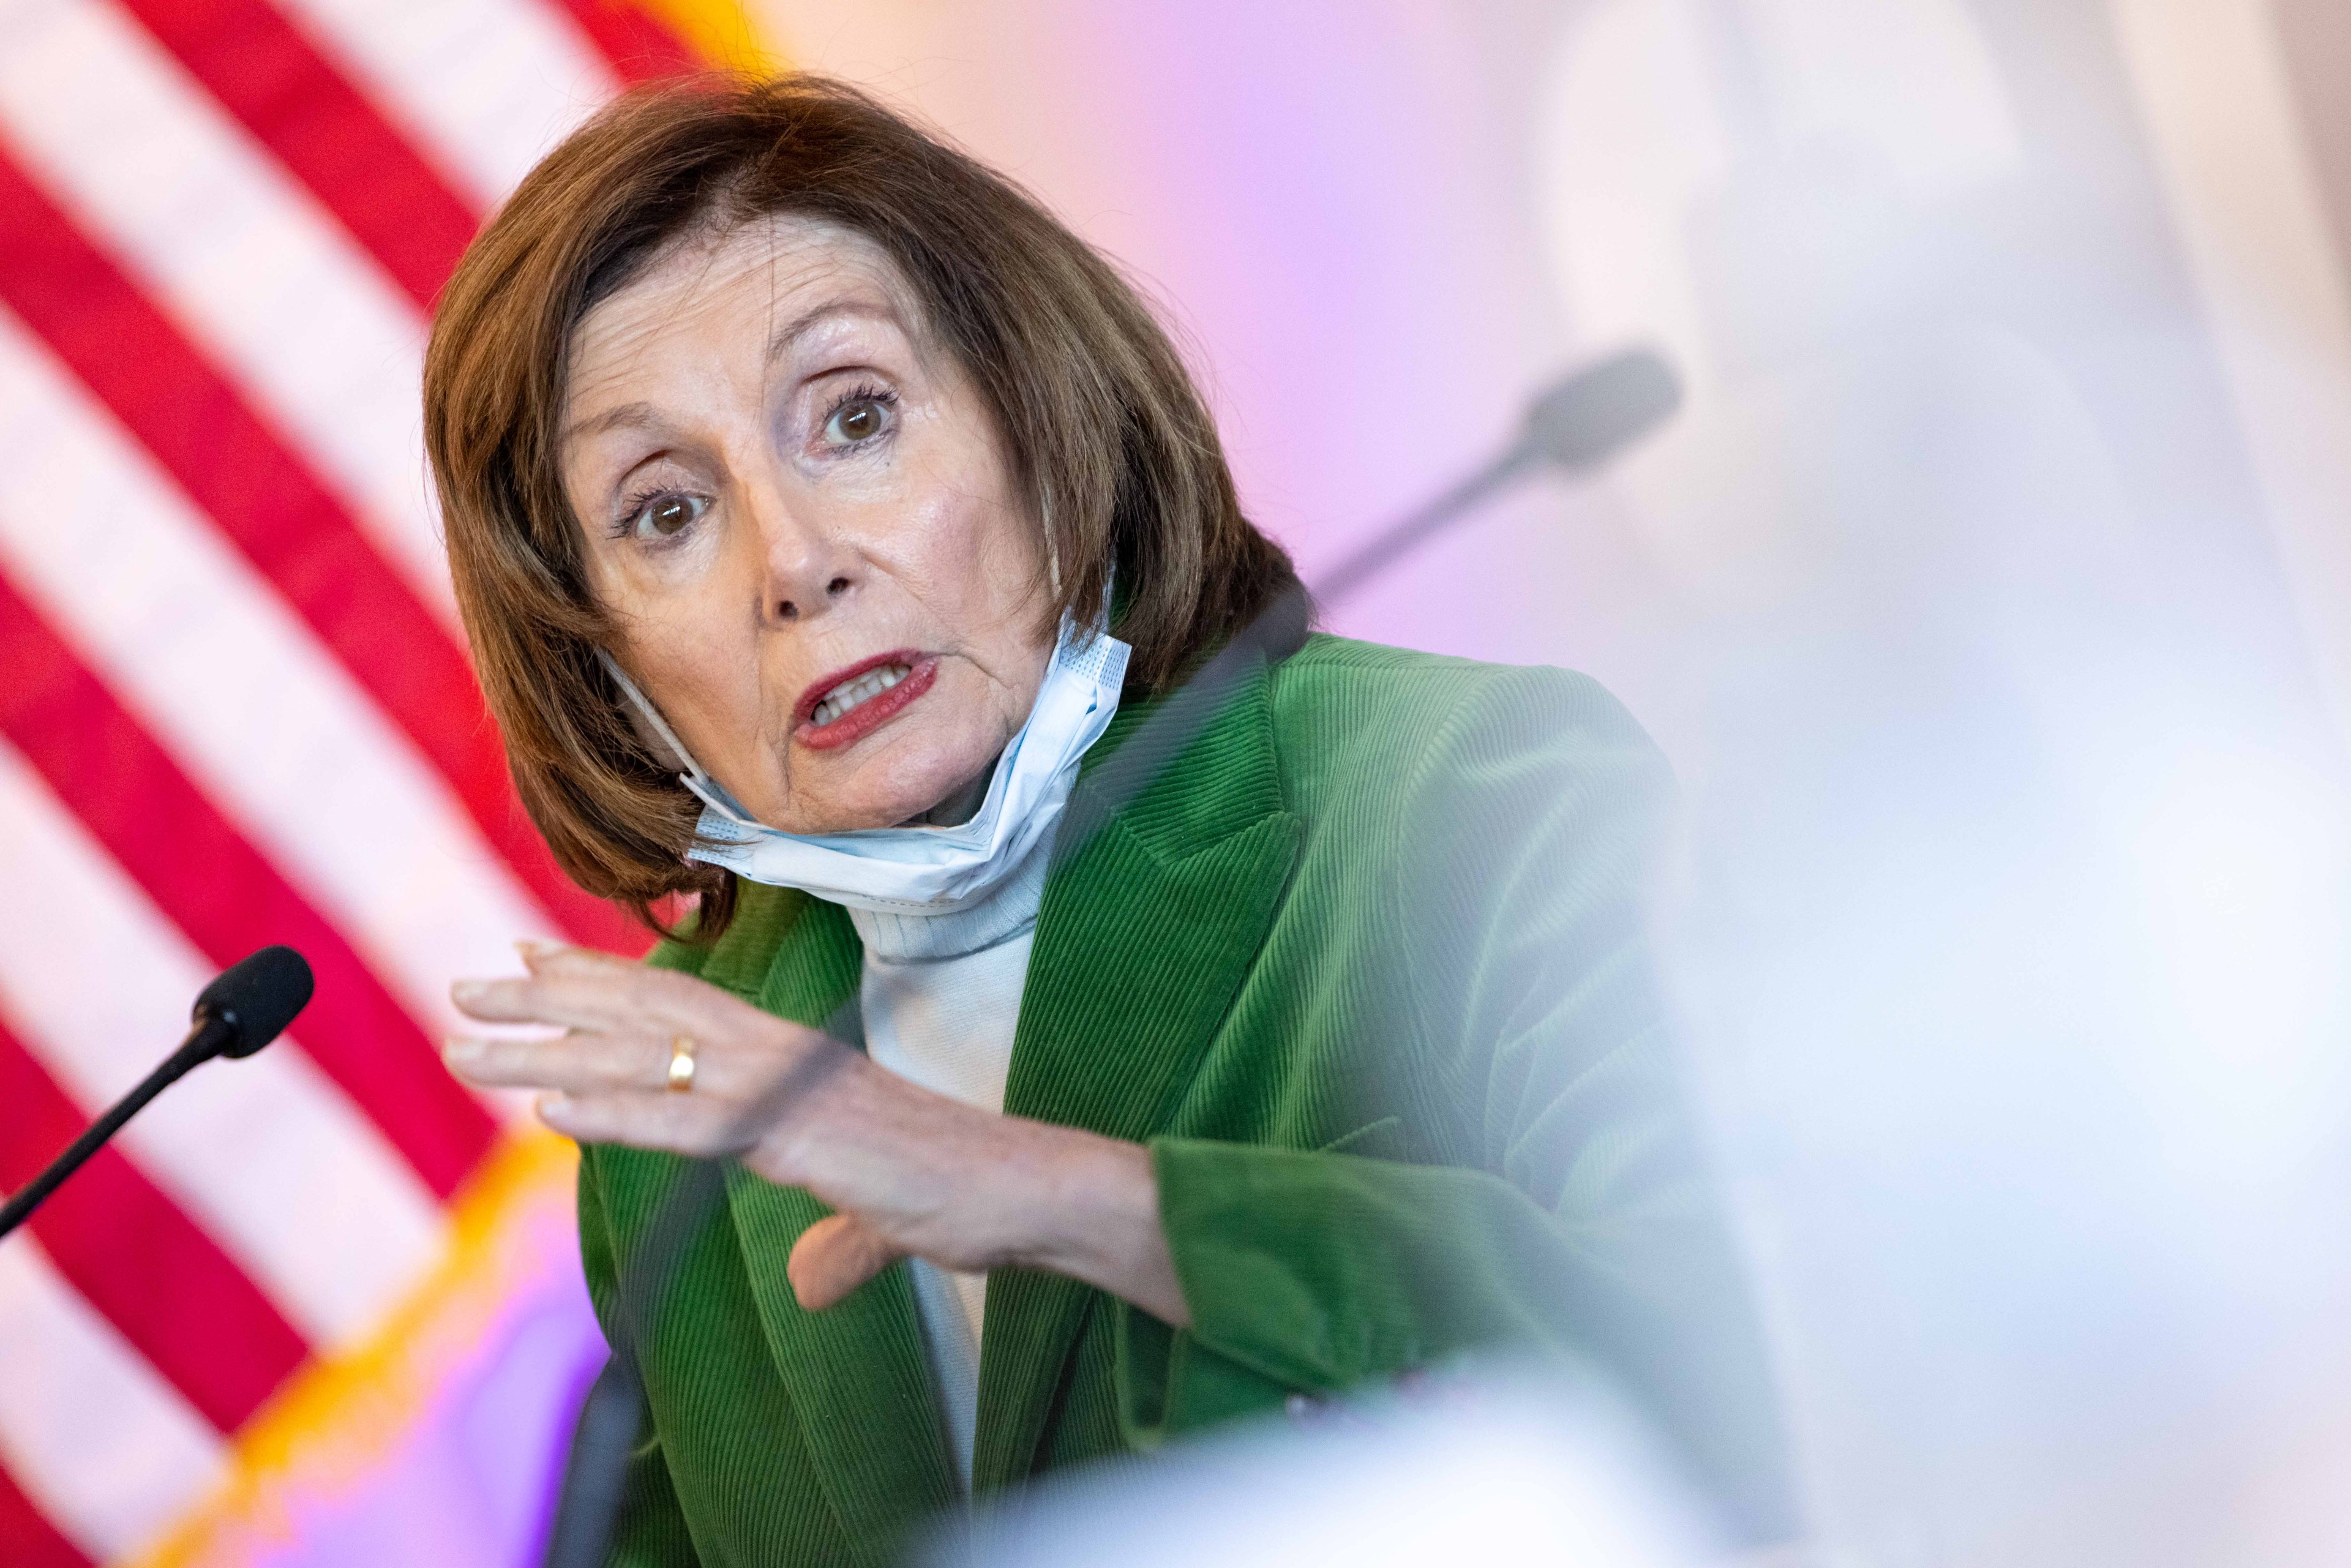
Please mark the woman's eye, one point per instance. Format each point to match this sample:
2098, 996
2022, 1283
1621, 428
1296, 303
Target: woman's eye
665, 515
859, 419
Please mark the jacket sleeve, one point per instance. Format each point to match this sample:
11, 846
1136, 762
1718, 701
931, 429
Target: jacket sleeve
1571, 1215
651, 1532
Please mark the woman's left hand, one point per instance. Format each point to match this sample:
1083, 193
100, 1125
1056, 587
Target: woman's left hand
908, 1171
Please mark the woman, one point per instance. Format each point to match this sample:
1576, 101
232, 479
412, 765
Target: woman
821, 512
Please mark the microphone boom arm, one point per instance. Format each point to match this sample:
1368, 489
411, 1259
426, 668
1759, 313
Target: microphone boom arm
203, 1042
247, 1005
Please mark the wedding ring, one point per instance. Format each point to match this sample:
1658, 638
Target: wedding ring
681, 1063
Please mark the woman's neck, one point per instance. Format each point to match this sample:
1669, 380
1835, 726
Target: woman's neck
961, 805
918, 936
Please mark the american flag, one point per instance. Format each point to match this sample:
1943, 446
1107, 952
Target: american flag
234, 702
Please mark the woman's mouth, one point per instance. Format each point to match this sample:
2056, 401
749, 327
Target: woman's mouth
849, 704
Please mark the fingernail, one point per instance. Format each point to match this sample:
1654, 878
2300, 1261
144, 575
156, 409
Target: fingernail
461, 1048
533, 949
552, 1107
467, 990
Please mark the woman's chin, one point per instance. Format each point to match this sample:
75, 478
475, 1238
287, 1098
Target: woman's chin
896, 797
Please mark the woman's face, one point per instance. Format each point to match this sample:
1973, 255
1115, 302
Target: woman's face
801, 516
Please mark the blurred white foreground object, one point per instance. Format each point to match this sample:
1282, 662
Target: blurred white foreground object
1497, 1471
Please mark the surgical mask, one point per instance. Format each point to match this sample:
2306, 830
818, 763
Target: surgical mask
925, 870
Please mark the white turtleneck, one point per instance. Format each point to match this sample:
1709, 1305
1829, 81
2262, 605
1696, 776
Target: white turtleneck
941, 996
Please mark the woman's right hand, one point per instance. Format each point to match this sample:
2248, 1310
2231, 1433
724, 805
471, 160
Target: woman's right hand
909, 1172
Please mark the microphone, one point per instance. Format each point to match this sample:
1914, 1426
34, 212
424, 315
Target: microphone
248, 1005
1575, 425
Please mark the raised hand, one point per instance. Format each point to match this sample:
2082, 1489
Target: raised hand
909, 1171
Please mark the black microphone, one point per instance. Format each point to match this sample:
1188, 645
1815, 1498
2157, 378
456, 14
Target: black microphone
1577, 424
246, 1007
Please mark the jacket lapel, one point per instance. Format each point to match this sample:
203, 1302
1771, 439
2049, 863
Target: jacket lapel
855, 1371
1142, 942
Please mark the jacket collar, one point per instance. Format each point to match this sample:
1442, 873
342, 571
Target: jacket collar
1142, 942
1143, 939
855, 1371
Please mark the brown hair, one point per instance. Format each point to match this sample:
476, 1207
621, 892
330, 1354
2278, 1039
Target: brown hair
1106, 433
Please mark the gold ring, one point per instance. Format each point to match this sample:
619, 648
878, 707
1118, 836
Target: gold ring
681, 1063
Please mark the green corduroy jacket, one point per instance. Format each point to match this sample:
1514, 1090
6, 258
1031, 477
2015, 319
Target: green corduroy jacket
1364, 968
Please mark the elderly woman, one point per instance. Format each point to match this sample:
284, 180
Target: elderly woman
823, 513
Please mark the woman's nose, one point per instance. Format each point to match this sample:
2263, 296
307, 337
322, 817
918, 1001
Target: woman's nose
806, 568
791, 601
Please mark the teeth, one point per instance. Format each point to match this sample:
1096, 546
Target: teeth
850, 694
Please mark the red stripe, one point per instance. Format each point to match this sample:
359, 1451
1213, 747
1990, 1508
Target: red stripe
28, 1539
265, 499
641, 47
323, 130
160, 1280
228, 900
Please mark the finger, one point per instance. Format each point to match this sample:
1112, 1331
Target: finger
579, 988
689, 1124
583, 992
832, 1258
533, 1001
748, 1079
575, 1062
564, 957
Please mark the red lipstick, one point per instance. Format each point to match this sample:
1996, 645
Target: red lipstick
868, 715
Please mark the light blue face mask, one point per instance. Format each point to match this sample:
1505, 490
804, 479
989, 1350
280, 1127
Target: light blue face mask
925, 870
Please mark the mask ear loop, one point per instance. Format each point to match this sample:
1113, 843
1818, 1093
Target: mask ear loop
656, 732
1052, 547
1053, 570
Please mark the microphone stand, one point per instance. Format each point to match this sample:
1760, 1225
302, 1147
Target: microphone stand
1399, 539
1576, 425
203, 1042
245, 1006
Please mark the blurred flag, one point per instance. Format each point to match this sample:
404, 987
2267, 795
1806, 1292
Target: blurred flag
235, 708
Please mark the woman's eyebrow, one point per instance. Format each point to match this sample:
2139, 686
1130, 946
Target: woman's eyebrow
641, 414
788, 336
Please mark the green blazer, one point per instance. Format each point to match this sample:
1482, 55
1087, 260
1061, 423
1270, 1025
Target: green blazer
1364, 968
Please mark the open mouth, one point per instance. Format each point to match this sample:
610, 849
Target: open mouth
851, 695
850, 703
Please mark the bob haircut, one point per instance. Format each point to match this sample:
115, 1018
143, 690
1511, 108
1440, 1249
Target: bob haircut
1104, 434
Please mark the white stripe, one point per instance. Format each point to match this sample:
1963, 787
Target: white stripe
101, 1445
220, 671
2219, 97
244, 261
489, 86
264, 1154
